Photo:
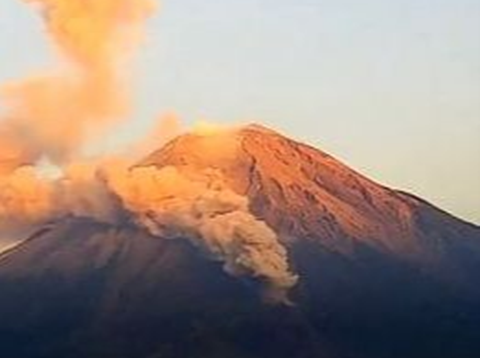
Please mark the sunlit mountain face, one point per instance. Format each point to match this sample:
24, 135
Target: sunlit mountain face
242, 243
222, 243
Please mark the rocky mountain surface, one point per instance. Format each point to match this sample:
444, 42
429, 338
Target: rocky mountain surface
381, 273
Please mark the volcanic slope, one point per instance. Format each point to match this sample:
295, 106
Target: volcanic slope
381, 273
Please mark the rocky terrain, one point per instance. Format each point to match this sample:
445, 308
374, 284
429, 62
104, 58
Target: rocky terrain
380, 272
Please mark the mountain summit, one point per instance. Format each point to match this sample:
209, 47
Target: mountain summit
368, 271
305, 193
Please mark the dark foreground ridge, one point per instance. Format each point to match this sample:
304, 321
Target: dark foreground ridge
382, 274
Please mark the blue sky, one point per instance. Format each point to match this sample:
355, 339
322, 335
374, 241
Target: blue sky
390, 87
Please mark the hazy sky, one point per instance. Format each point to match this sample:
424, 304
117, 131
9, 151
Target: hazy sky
392, 87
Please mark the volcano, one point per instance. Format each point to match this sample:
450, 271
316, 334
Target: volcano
378, 272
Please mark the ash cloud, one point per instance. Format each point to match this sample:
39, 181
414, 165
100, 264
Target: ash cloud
52, 116
55, 113
199, 207
169, 204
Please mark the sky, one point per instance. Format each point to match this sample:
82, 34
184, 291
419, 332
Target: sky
390, 87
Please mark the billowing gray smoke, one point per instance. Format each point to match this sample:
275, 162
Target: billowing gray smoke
169, 204
200, 208
54, 116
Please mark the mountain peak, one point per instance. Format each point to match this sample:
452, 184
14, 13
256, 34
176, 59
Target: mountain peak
255, 210
304, 192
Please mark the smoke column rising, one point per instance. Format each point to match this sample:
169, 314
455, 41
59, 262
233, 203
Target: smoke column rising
54, 115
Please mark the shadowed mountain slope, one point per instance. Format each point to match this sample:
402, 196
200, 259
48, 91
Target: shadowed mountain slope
382, 274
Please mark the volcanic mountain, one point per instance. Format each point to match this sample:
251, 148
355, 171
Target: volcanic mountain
377, 272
